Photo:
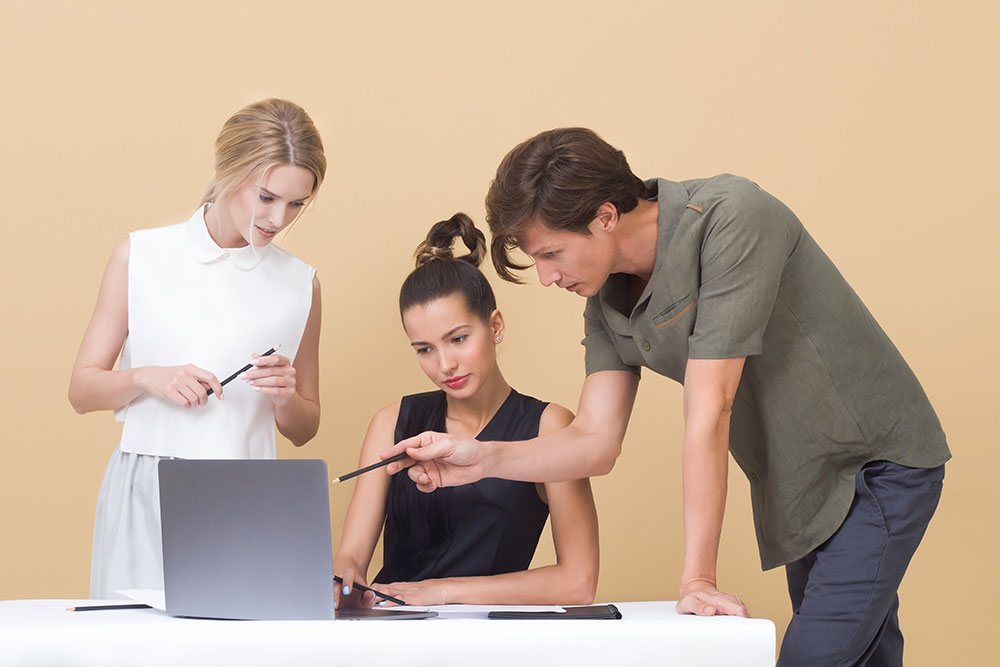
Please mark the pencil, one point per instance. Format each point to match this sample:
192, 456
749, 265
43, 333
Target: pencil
391, 459
340, 580
245, 368
105, 607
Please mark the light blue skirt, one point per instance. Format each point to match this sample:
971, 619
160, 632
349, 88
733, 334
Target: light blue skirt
127, 550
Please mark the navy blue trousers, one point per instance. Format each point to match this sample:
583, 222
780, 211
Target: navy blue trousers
844, 599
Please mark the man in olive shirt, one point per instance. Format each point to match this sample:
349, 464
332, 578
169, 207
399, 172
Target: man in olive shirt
716, 284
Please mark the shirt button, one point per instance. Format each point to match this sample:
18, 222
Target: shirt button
645, 346
754, 478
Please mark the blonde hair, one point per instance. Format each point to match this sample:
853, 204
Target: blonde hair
260, 136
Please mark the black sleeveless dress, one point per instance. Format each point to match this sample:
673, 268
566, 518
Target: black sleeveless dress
489, 527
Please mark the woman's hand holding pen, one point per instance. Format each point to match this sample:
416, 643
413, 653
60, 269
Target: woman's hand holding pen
186, 385
354, 598
440, 459
272, 375
415, 593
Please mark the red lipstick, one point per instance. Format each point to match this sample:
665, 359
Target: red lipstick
457, 382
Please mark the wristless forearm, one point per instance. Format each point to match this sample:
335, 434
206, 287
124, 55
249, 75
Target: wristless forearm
298, 420
550, 584
561, 456
705, 478
93, 389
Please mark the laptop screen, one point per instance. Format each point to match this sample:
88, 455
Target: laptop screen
246, 539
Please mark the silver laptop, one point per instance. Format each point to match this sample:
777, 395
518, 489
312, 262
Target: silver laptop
246, 539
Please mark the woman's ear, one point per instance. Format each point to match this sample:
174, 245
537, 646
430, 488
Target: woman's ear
496, 326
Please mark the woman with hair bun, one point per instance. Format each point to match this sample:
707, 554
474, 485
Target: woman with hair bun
180, 305
467, 544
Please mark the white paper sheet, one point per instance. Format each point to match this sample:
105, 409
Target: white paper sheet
153, 598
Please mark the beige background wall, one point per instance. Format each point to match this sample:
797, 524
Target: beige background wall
875, 122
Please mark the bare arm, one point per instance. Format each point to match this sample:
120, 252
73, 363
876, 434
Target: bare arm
94, 385
588, 446
709, 390
572, 580
294, 386
366, 511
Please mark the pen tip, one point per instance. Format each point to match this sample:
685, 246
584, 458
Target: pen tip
336, 481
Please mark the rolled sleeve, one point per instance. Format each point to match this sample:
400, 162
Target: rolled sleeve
601, 354
743, 254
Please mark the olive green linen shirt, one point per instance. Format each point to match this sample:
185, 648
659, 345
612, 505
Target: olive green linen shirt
823, 391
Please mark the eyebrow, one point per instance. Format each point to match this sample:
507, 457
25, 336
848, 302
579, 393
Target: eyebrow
535, 252
418, 343
538, 250
271, 194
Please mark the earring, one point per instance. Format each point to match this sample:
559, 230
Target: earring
498, 339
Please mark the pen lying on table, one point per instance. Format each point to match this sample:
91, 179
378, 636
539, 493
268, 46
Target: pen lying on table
340, 580
106, 607
391, 459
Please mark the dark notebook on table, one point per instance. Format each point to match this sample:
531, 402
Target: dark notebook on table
596, 611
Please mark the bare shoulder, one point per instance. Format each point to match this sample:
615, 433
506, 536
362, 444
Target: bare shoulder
554, 417
115, 279
317, 299
120, 253
385, 418
380, 431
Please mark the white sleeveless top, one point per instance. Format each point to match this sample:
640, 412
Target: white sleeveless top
192, 302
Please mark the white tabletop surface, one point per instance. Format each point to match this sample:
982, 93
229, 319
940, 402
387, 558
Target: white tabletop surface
43, 632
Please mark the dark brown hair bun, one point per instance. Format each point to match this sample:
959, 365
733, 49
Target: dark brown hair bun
439, 273
441, 238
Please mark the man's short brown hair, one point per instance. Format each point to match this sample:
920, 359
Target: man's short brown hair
558, 178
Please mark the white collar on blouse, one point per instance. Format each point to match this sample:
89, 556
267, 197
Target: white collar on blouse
207, 251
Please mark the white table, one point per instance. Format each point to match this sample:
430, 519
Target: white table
42, 632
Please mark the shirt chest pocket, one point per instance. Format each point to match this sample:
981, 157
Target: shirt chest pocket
665, 346
674, 312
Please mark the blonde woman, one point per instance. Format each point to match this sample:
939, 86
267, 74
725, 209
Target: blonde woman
183, 305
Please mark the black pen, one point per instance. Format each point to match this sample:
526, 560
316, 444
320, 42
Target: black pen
106, 607
244, 369
340, 580
391, 459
